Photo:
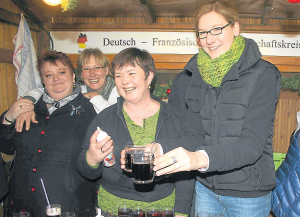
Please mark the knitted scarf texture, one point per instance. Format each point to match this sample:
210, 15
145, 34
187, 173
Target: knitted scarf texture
214, 70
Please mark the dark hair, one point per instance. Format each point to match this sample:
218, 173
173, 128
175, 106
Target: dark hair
134, 56
224, 8
100, 58
52, 57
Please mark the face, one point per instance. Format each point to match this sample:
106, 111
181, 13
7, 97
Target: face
94, 78
216, 45
132, 85
58, 80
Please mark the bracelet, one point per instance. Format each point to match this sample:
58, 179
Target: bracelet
8, 120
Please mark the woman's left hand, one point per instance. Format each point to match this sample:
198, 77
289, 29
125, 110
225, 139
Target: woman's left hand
179, 160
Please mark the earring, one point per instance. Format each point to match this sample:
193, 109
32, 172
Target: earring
149, 86
74, 85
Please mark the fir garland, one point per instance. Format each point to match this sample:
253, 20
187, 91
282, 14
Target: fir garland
291, 84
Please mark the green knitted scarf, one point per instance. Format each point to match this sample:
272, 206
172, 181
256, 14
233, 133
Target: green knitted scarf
214, 70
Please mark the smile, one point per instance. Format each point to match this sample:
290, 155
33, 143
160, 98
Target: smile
214, 48
94, 80
129, 90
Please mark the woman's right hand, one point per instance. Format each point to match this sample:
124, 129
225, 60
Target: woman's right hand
98, 150
19, 107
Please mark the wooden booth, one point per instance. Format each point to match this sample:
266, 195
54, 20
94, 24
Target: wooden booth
259, 16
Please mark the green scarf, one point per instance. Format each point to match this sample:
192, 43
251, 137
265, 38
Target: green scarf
214, 70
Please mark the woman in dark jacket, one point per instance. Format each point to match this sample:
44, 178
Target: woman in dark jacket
234, 92
49, 149
138, 119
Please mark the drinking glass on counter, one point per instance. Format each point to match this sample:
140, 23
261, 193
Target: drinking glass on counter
53, 210
138, 211
153, 211
22, 214
142, 167
67, 214
167, 211
131, 149
125, 209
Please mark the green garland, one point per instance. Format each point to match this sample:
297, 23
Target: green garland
161, 90
291, 84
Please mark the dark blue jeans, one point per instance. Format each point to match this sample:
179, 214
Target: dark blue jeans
209, 202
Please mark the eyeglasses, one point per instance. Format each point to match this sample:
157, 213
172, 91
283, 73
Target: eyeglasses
214, 31
96, 69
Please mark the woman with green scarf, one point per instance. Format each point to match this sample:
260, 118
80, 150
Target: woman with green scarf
235, 93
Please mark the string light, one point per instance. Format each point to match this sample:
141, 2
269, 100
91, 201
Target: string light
52, 2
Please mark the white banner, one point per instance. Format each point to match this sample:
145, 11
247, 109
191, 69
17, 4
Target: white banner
72, 42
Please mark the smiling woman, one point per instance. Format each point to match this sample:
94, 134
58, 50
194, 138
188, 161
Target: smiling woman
49, 149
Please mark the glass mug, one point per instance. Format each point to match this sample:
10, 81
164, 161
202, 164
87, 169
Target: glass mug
167, 211
54, 210
138, 211
142, 167
153, 211
129, 150
124, 209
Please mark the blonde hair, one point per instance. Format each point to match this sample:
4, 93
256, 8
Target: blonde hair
224, 8
100, 58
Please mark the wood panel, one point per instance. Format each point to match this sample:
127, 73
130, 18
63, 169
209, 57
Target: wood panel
285, 120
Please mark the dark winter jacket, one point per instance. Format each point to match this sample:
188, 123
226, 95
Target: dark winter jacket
49, 150
3, 179
119, 183
237, 120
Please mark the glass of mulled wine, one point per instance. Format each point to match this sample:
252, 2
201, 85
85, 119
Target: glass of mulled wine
53, 210
167, 211
142, 167
129, 150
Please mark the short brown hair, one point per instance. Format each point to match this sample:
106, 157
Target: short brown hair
53, 56
132, 56
100, 58
224, 8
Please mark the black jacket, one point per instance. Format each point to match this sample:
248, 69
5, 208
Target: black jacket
3, 179
116, 181
237, 121
49, 150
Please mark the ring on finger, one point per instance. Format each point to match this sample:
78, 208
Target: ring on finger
20, 106
174, 159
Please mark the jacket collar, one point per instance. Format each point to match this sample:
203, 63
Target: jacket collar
165, 109
77, 103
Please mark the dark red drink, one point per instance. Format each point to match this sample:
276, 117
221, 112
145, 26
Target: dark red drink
125, 211
153, 213
142, 173
138, 213
128, 160
167, 213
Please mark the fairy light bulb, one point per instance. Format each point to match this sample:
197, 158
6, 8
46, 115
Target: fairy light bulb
52, 2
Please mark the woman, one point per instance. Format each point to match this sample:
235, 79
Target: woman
50, 148
99, 86
137, 118
235, 93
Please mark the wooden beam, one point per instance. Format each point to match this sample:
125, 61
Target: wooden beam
6, 56
35, 14
268, 8
146, 10
14, 19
